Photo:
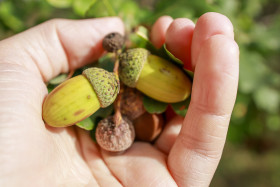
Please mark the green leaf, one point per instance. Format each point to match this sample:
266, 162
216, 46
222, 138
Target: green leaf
130, 12
154, 106
267, 98
273, 122
92, 132
143, 39
7, 15
60, 3
181, 108
255, 127
50, 89
59, 79
91, 122
143, 32
253, 71
189, 73
80, 7
86, 124
101, 8
171, 56
99, 115
103, 112
106, 62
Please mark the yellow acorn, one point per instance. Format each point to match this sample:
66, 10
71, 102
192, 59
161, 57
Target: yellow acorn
79, 97
154, 76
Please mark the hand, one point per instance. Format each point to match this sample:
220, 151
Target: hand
33, 154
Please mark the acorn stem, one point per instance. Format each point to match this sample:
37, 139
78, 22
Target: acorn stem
116, 66
117, 103
117, 62
117, 108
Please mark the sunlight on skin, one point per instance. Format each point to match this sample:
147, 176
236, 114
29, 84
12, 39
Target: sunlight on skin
34, 154
169, 134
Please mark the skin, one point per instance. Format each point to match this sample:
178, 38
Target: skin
186, 154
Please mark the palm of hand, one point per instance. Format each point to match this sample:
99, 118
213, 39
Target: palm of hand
32, 153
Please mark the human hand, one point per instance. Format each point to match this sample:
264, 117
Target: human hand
37, 155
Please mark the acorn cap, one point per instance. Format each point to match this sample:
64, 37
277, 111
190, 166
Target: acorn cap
131, 63
105, 85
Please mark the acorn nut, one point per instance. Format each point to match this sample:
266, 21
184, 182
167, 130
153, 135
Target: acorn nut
79, 97
113, 138
132, 103
148, 126
154, 76
113, 42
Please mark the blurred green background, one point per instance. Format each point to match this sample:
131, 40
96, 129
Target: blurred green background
252, 152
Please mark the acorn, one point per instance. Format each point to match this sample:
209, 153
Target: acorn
132, 103
154, 76
148, 126
112, 42
112, 137
79, 97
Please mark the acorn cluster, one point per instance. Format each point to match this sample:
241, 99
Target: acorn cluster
137, 72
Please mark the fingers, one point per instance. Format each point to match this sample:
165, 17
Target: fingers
179, 39
169, 134
177, 35
198, 148
59, 45
159, 29
141, 165
93, 158
208, 25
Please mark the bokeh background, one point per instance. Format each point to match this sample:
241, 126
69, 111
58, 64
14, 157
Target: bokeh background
252, 151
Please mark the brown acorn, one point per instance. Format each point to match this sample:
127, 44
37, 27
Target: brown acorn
148, 126
112, 137
112, 42
131, 103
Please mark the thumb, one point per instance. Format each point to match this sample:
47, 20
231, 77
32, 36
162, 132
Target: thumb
40, 53
59, 45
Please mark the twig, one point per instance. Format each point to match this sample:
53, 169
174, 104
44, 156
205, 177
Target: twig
117, 108
117, 103
116, 66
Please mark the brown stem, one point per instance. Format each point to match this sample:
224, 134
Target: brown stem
117, 103
117, 107
116, 66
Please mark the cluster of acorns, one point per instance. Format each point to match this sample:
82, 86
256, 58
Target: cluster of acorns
139, 72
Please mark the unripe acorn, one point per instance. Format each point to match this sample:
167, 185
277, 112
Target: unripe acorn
154, 76
79, 97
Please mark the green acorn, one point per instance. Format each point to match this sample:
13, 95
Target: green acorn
79, 97
154, 76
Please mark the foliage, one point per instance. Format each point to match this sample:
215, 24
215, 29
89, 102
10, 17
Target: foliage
154, 106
